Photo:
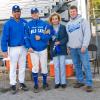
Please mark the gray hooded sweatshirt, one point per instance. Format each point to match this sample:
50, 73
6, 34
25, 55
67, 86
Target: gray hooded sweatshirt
79, 33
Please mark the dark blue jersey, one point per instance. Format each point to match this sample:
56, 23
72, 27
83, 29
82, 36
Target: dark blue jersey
13, 34
37, 27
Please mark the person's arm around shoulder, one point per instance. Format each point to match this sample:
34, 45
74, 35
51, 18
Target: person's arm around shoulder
27, 38
47, 34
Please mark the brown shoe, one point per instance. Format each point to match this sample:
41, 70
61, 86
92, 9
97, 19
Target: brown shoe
78, 85
88, 88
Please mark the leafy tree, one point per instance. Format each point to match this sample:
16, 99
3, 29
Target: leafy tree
96, 6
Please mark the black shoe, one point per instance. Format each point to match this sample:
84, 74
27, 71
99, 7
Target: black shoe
23, 87
78, 85
46, 86
13, 89
63, 85
36, 89
88, 88
57, 86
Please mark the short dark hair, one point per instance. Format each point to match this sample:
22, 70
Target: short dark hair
73, 7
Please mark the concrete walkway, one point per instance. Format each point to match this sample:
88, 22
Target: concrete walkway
69, 93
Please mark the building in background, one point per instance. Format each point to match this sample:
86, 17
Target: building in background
45, 7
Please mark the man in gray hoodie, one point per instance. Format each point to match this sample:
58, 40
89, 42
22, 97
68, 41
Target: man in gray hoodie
79, 37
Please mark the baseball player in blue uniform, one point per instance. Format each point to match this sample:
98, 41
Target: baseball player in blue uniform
38, 34
12, 45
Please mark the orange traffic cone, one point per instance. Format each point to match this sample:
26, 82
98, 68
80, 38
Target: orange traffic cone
29, 62
52, 70
7, 63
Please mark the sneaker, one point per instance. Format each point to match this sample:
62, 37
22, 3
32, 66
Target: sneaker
13, 89
88, 88
78, 85
63, 85
57, 86
36, 89
23, 87
46, 86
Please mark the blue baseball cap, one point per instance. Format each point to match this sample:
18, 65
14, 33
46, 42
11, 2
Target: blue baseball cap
16, 8
34, 10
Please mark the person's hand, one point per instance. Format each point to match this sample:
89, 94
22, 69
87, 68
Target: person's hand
68, 50
5, 54
83, 49
57, 43
46, 31
37, 37
30, 50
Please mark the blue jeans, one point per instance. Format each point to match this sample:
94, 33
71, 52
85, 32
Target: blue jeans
60, 71
80, 59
